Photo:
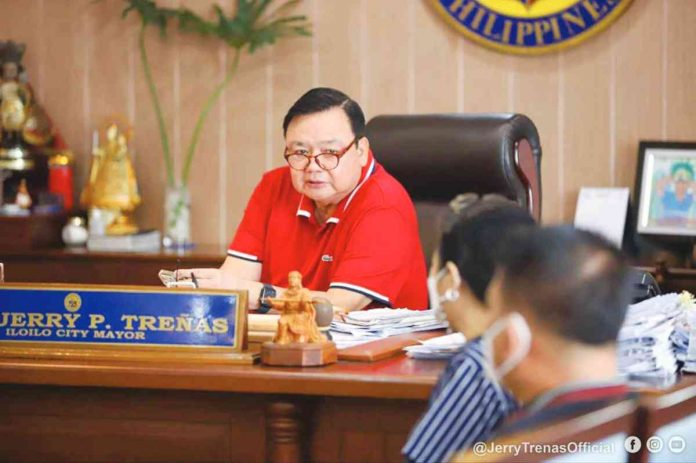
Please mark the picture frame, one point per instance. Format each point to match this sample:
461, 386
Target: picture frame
665, 194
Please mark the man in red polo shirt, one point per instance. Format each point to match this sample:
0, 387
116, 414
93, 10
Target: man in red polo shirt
333, 213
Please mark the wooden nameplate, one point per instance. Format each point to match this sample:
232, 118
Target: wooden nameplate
384, 348
298, 354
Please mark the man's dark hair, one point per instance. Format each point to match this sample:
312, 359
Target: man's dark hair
474, 239
574, 281
322, 99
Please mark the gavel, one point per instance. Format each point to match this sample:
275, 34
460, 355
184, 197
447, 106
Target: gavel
324, 315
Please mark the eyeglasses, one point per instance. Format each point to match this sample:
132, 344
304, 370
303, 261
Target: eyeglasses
327, 160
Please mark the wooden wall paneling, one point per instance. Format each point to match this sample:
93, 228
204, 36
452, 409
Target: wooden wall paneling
386, 57
586, 119
292, 76
109, 72
485, 79
638, 57
681, 70
535, 93
200, 71
246, 135
63, 66
337, 30
149, 156
434, 66
392, 56
22, 25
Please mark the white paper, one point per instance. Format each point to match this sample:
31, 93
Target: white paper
368, 325
603, 211
441, 347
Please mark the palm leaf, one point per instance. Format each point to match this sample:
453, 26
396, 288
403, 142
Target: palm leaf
150, 13
253, 26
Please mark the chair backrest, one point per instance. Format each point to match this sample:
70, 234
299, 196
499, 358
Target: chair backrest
587, 437
668, 416
438, 156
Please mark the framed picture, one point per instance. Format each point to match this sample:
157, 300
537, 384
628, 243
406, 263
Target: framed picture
666, 188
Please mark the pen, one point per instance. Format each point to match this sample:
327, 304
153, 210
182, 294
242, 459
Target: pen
195, 282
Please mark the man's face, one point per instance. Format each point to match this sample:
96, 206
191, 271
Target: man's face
325, 131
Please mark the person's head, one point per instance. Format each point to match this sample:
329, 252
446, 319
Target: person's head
10, 70
467, 257
324, 123
683, 175
571, 289
682, 171
294, 279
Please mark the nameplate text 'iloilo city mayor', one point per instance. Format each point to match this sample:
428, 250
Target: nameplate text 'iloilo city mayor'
121, 321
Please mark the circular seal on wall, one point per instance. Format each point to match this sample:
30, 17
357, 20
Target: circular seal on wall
530, 26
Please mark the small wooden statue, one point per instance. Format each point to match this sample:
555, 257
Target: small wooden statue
297, 315
298, 341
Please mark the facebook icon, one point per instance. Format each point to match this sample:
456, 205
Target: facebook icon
632, 444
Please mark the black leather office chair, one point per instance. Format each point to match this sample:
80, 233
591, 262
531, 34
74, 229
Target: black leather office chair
438, 156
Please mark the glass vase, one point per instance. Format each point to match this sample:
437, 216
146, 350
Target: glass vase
177, 217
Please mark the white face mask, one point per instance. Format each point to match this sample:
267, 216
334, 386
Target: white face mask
436, 300
524, 335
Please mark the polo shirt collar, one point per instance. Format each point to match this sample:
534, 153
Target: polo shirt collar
306, 206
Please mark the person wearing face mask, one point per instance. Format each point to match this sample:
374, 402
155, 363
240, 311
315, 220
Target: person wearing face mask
563, 294
332, 213
465, 407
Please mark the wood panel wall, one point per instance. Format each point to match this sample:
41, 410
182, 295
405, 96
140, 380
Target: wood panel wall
591, 103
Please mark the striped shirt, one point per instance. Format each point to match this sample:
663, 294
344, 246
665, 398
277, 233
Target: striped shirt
465, 407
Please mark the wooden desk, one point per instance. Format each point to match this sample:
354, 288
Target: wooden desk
108, 411
65, 265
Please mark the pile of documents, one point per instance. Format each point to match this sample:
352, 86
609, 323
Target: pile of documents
369, 325
654, 337
441, 347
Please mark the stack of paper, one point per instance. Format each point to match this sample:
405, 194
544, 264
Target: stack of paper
441, 347
370, 325
645, 340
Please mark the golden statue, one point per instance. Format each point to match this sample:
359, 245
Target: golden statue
115, 187
21, 118
87, 194
297, 315
14, 102
15, 96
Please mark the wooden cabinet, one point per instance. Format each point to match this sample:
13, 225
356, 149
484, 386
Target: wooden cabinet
82, 266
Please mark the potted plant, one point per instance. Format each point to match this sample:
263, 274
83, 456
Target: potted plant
254, 25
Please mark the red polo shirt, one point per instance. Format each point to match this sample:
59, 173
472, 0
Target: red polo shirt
370, 245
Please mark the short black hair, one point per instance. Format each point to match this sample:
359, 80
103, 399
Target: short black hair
473, 240
574, 282
322, 99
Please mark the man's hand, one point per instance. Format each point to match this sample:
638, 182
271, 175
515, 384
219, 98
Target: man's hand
216, 278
